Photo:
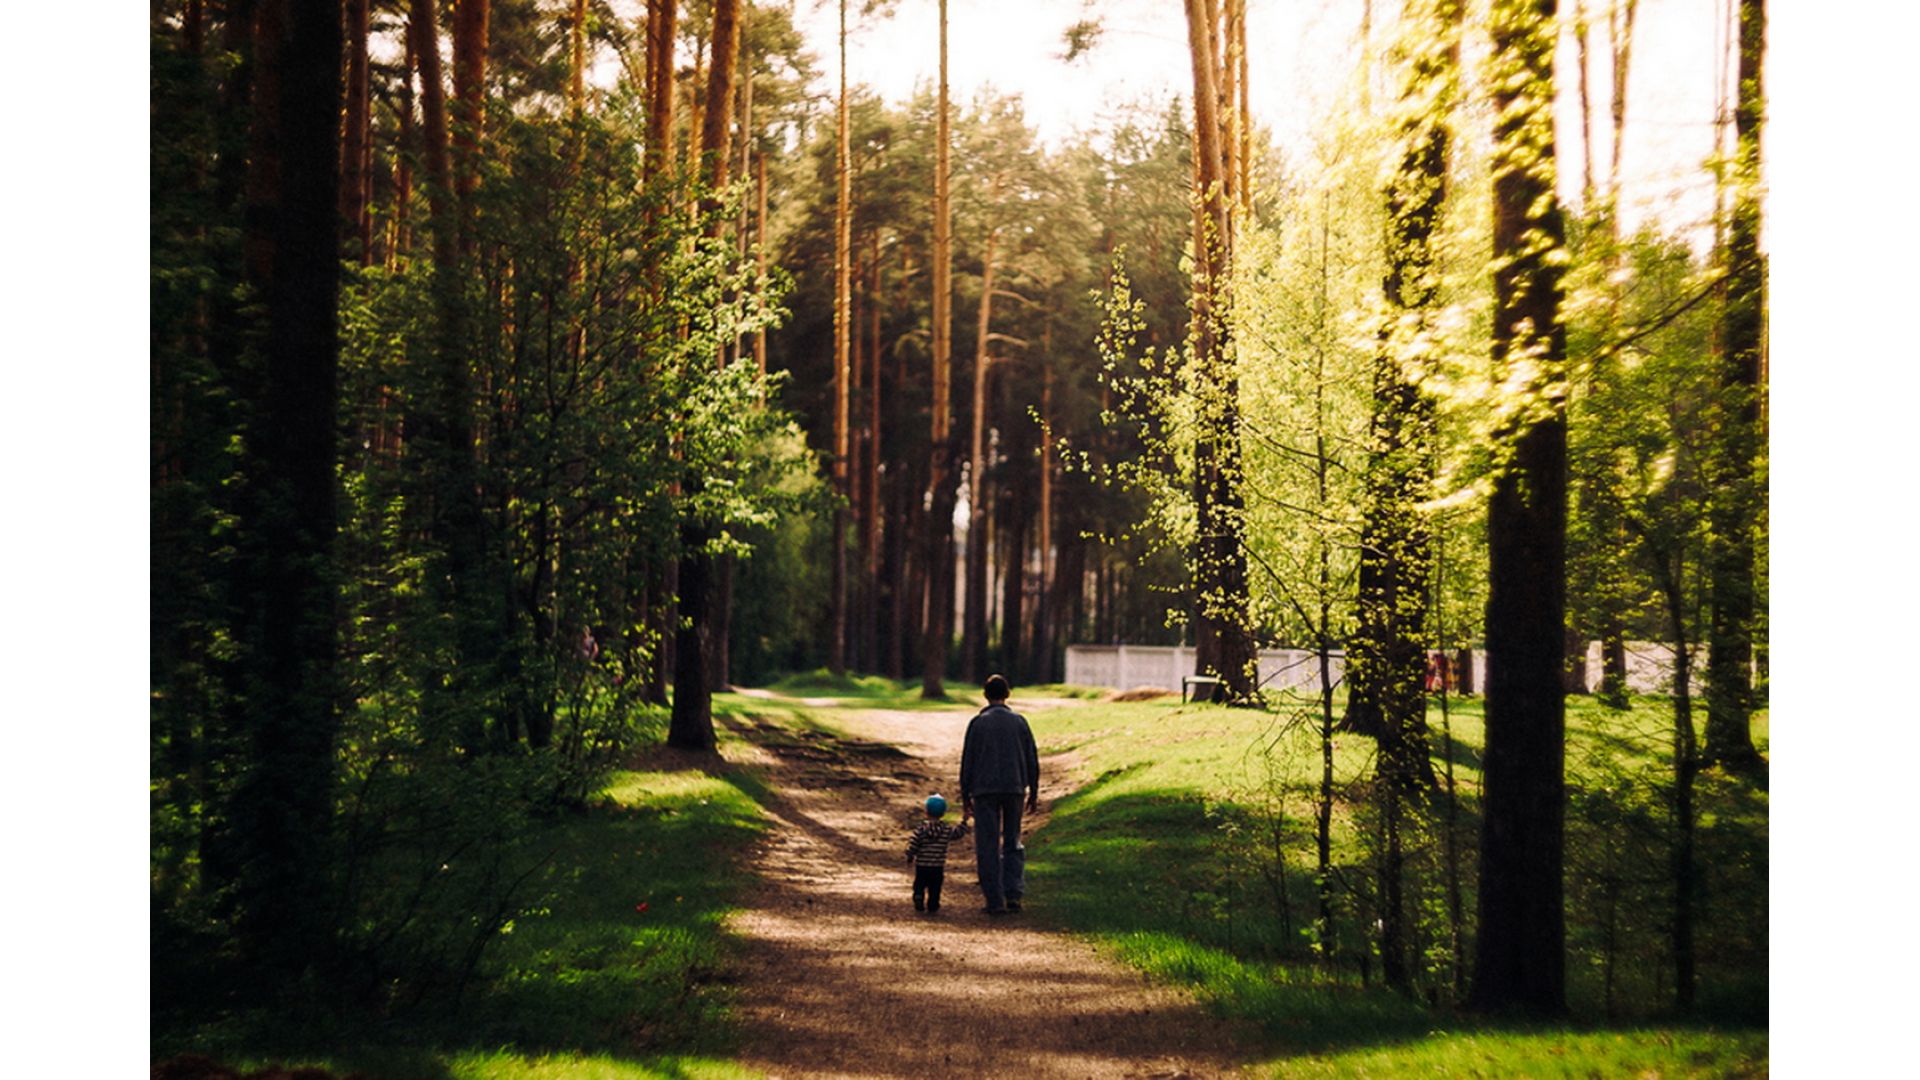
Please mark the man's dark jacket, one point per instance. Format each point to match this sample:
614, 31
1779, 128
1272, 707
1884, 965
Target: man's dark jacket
999, 757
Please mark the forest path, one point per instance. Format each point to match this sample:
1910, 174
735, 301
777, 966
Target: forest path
841, 977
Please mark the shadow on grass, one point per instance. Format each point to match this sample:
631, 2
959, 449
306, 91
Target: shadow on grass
1151, 874
614, 963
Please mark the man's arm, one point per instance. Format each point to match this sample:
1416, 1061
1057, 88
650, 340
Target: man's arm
969, 749
1033, 765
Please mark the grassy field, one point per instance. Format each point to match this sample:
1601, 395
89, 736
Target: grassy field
1189, 853
617, 970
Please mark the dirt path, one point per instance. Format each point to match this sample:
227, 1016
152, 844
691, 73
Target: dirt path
843, 978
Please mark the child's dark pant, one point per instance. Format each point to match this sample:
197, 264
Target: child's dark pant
926, 887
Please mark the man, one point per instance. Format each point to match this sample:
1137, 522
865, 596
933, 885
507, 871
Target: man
997, 766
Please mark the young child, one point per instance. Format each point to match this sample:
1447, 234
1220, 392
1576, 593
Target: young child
927, 851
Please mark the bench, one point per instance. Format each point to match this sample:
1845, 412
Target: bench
1199, 684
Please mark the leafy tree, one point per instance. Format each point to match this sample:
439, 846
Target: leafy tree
1734, 507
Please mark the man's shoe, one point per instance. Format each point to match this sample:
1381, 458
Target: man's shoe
1013, 906
998, 911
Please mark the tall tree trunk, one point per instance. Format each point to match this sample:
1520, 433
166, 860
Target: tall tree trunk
1734, 506
279, 818
717, 148
1686, 766
356, 152
1041, 665
1223, 637
661, 18
406, 150
1602, 501
1520, 952
706, 583
1386, 663
577, 59
973, 634
690, 726
871, 623
898, 535
459, 524
842, 373
470, 22
1620, 17
1386, 660
760, 259
939, 533
1013, 581
715, 141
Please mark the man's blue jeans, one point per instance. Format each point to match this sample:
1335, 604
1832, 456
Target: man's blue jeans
996, 844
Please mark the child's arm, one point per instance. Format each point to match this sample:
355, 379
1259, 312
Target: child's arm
913, 845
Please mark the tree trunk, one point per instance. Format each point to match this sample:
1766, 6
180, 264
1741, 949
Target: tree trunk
470, 19
279, 818
871, 623
690, 726
1615, 599
1733, 507
459, 524
407, 149
706, 583
1520, 952
760, 260
1386, 663
1686, 767
1040, 667
717, 119
939, 532
973, 635
356, 153
577, 59
1223, 638
661, 17
1013, 581
842, 371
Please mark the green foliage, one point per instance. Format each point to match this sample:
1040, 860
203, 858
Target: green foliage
1191, 854
583, 323
605, 958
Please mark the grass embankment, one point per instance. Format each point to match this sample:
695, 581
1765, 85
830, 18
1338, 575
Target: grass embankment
615, 970
1189, 854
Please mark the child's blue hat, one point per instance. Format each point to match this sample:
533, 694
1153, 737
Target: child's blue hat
936, 805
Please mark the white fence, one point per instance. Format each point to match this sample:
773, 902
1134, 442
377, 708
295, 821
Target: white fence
1123, 667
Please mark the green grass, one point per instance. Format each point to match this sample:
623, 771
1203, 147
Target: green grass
1643, 1052
618, 972
1167, 858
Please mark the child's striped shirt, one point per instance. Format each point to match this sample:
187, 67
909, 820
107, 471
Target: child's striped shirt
929, 844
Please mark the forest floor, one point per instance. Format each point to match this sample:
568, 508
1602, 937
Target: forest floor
841, 977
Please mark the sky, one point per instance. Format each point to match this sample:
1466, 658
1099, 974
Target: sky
1301, 51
